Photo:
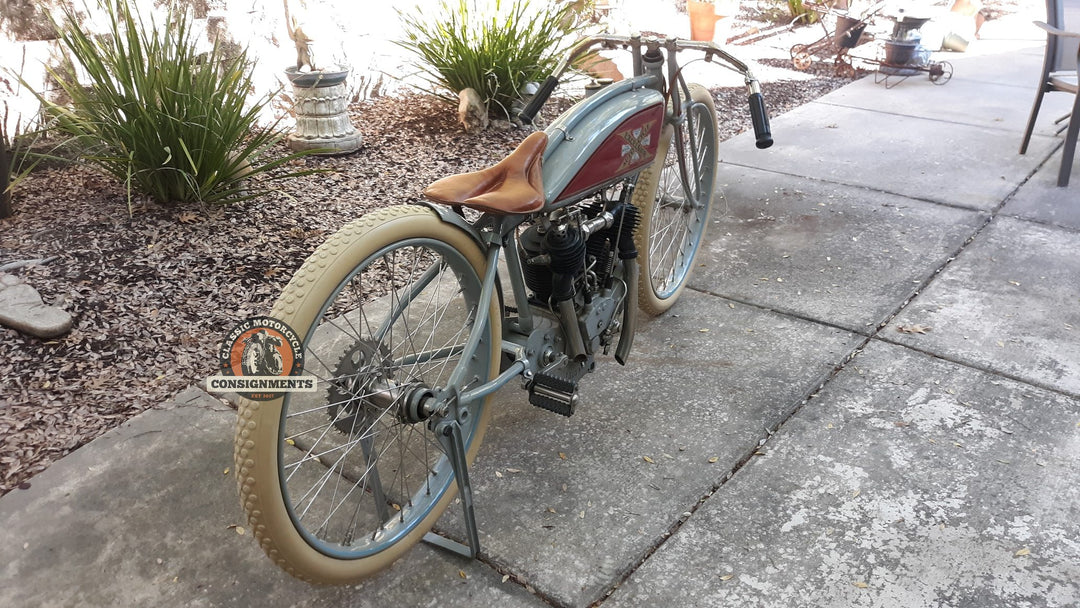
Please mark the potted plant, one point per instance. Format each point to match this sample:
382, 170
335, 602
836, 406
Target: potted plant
321, 100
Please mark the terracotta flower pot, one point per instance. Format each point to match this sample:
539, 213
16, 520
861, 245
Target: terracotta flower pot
703, 19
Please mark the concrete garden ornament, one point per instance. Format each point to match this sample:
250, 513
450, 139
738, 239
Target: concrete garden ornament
321, 100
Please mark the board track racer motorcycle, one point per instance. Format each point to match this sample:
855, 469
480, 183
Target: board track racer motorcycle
411, 317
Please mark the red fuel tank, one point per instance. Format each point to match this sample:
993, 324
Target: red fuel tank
631, 146
601, 139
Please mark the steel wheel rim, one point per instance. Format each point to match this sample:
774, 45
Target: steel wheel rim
678, 216
407, 500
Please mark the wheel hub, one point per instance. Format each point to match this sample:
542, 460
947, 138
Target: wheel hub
364, 387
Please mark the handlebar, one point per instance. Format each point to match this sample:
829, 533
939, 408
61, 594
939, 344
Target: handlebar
758, 113
539, 99
760, 118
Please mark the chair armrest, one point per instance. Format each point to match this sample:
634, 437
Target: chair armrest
1057, 32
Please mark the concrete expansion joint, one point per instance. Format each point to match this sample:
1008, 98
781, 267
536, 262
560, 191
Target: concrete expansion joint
991, 217
909, 116
509, 576
1042, 222
194, 396
986, 370
757, 450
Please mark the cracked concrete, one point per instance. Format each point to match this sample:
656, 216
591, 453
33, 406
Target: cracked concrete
910, 481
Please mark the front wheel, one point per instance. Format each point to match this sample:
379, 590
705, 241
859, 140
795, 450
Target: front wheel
340, 482
675, 204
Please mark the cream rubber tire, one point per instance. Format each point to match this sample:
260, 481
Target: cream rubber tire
674, 214
260, 446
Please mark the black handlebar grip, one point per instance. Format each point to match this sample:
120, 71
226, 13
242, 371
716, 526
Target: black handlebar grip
761, 121
529, 113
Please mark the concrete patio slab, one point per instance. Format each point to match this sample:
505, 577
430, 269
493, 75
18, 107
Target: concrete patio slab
936, 469
946, 162
1009, 303
1014, 62
1042, 200
993, 83
147, 515
990, 105
571, 504
841, 255
909, 481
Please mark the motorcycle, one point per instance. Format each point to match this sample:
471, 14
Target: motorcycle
411, 317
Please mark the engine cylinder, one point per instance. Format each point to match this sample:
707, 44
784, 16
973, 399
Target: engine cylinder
537, 274
567, 251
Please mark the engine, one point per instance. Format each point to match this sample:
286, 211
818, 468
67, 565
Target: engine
571, 263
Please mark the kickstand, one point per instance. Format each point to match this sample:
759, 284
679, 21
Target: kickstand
449, 434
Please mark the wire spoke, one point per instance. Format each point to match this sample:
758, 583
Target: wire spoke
400, 320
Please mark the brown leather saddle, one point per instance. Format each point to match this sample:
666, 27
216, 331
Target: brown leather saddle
513, 185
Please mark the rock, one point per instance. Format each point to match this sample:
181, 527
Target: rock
22, 309
472, 111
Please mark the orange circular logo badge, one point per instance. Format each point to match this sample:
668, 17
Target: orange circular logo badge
260, 359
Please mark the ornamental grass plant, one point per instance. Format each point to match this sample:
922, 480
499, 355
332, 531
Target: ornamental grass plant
800, 11
5, 173
169, 121
494, 47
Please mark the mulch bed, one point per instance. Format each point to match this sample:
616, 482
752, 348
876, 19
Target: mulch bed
153, 293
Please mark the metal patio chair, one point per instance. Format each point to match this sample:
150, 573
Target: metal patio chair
1060, 72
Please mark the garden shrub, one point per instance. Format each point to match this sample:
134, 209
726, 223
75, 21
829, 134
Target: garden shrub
493, 47
170, 122
802, 12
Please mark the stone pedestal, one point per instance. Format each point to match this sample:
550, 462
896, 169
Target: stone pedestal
322, 119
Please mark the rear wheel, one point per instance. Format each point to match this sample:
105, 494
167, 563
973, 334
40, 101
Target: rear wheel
675, 206
340, 482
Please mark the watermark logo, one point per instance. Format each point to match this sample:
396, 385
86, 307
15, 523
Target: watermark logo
261, 359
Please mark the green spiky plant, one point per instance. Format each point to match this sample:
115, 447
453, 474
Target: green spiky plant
170, 122
497, 51
802, 12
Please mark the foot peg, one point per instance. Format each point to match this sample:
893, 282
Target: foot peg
554, 394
